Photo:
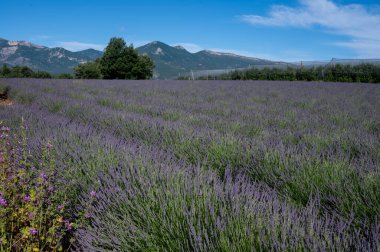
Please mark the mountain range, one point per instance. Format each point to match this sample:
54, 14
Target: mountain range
170, 61
53, 60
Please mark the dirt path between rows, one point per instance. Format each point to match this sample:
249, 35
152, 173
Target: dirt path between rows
6, 102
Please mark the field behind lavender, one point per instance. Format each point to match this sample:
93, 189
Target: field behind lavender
211, 165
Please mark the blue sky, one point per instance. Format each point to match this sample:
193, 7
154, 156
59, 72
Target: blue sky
288, 30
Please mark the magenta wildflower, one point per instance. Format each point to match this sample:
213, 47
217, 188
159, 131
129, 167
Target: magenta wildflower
68, 225
3, 202
44, 176
92, 193
5, 128
27, 198
33, 231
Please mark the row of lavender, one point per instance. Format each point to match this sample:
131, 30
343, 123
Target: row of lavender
293, 165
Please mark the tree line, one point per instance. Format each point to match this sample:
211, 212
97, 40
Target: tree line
23, 72
367, 73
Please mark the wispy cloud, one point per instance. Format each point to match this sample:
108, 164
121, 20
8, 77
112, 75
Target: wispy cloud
78, 46
191, 47
39, 37
286, 55
237, 52
139, 43
352, 20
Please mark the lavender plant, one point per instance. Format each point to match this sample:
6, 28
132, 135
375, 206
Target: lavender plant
312, 147
143, 207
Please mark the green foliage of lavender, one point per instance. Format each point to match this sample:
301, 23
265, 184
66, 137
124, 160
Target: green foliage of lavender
212, 166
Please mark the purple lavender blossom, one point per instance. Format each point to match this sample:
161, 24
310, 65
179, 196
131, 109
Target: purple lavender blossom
68, 225
280, 133
27, 198
44, 176
33, 231
3, 202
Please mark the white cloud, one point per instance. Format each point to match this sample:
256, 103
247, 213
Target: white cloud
365, 48
191, 47
78, 46
139, 43
286, 55
352, 20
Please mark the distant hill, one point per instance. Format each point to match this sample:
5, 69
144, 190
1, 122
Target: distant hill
170, 62
54, 60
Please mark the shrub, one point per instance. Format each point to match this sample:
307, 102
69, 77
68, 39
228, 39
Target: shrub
33, 207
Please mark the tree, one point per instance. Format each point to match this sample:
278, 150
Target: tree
64, 76
5, 71
42, 75
120, 61
89, 70
144, 68
21, 72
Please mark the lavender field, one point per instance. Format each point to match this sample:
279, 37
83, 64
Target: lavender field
207, 165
